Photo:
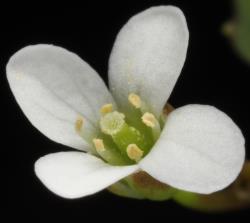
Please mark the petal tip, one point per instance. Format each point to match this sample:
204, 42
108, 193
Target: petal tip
74, 174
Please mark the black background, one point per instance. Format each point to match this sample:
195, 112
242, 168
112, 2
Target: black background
213, 74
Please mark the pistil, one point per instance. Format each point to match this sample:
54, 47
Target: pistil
114, 125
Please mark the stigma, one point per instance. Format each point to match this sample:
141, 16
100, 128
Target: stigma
112, 122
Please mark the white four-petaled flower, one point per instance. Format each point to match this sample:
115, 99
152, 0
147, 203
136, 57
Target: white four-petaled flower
200, 149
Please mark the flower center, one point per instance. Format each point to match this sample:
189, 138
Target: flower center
124, 138
112, 123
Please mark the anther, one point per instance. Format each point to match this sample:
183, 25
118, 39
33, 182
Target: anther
82, 130
98, 143
134, 152
149, 120
135, 100
79, 124
107, 108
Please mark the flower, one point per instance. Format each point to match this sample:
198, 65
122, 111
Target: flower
195, 148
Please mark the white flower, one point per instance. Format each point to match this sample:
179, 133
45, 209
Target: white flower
200, 149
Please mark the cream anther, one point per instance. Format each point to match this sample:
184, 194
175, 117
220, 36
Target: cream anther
79, 124
98, 143
149, 120
135, 100
107, 108
134, 152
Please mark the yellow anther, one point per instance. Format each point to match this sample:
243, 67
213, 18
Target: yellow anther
106, 109
79, 124
98, 143
135, 100
134, 152
149, 120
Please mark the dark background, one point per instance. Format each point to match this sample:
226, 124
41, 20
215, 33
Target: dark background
213, 74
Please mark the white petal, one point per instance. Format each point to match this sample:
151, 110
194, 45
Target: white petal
200, 150
53, 87
77, 174
148, 55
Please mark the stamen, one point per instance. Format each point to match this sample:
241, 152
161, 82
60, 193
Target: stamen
107, 108
82, 130
112, 122
108, 153
98, 143
135, 100
134, 152
149, 120
79, 124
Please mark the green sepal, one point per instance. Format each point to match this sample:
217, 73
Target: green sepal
142, 186
122, 189
238, 29
149, 187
